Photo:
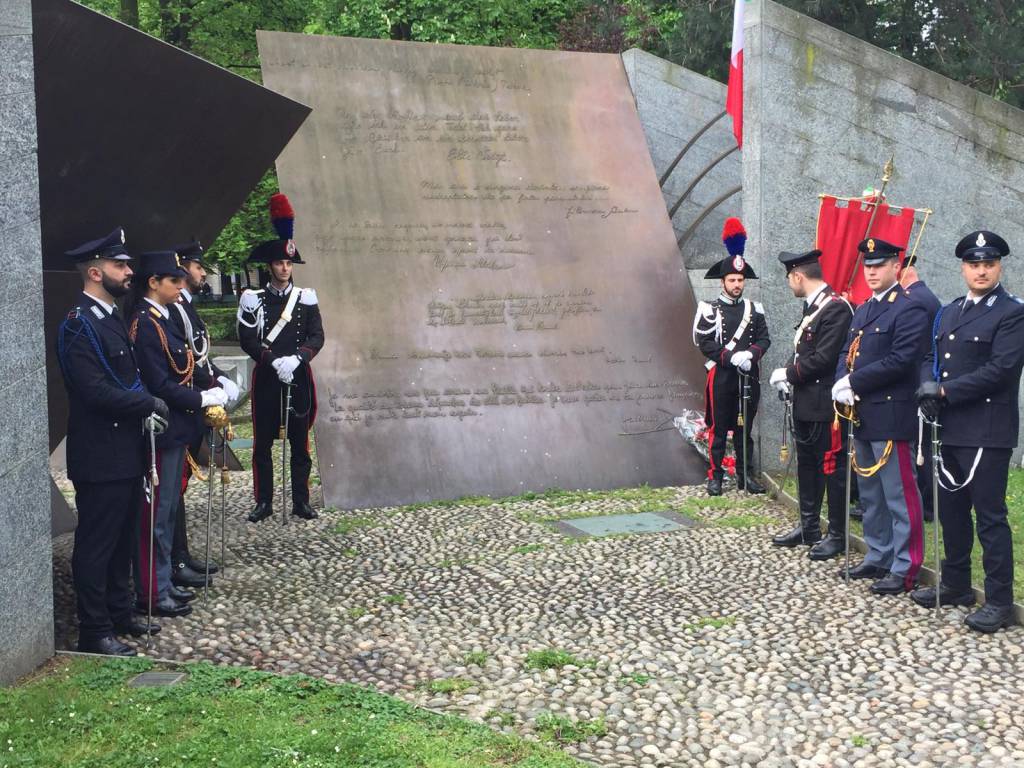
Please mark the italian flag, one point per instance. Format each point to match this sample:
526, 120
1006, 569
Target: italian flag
734, 98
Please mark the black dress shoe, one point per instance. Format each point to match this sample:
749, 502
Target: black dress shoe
991, 618
303, 510
136, 626
182, 575
926, 597
864, 571
750, 485
796, 537
108, 646
828, 548
891, 584
199, 566
714, 486
261, 511
166, 606
181, 595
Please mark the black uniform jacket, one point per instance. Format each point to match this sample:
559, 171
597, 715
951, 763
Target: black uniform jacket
812, 368
302, 336
714, 346
184, 400
200, 336
105, 437
978, 354
893, 333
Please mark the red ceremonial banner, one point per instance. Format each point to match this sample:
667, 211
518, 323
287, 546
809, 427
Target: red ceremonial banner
842, 224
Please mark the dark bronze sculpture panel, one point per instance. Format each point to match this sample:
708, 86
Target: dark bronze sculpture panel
136, 133
506, 309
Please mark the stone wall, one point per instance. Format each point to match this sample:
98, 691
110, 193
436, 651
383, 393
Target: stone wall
823, 113
26, 603
674, 104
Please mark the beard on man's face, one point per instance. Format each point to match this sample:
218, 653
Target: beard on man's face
117, 288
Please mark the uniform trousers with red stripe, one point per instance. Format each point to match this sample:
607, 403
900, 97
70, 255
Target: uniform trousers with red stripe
153, 570
893, 525
722, 411
266, 423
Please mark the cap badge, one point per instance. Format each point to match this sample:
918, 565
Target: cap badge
981, 242
289, 248
177, 259
737, 263
871, 245
122, 237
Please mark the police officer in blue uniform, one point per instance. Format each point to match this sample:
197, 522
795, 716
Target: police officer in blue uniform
918, 291
732, 334
186, 570
279, 326
168, 369
970, 380
876, 376
808, 379
105, 445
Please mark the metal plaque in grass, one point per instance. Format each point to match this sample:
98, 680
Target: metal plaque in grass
664, 521
156, 679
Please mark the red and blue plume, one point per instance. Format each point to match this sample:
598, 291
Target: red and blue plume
282, 216
734, 236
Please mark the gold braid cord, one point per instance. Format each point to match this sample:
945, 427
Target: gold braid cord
848, 413
194, 466
190, 362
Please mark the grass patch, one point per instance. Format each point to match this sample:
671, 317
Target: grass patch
478, 658
396, 599
82, 715
527, 549
711, 621
555, 658
349, 552
635, 679
448, 685
505, 719
742, 521
562, 730
357, 611
351, 524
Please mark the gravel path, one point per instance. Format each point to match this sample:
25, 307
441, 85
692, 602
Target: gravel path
703, 647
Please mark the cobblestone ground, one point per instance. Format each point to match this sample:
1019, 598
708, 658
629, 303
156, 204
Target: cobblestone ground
703, 647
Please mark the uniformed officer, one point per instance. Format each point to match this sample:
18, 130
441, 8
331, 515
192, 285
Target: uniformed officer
875, 376
808, 379
279, 326
733, 335
187, 571
970, 379
168, 370
917, 291
105, 445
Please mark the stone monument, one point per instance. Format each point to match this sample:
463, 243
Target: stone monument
505, 303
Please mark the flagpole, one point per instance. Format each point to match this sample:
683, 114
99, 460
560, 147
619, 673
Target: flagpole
887, 171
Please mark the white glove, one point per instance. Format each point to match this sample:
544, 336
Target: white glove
287, 364
285, 377
229, 387
779, 381
842, 392
742, 360
215, 396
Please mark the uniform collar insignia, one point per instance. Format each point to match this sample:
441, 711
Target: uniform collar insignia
991, 300
155, 312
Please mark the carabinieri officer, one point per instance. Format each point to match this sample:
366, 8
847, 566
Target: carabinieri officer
970, 379
733, 335
105, 445
187, 571
279, 327
875, 376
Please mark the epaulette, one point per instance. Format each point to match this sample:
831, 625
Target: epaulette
155, 312
307, 297
705, 309
250, 300
74, 314
759, 307
1018, 299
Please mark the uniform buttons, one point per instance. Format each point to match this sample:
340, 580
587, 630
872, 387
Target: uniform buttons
817, 381
975, 338
888, 397
952, 336
947, 355
115, 423
988, 399
945, 374
877, 329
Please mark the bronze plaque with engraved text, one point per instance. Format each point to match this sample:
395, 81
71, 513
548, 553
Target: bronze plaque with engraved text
505, 306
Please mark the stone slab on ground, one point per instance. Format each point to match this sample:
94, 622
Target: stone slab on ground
701, 647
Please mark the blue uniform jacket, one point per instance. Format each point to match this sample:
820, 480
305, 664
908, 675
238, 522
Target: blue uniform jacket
922, 294
979, 353
893, 333
107, 402
184, 400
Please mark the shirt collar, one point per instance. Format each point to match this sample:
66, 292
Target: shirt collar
878, 296
273, 290
726, 299
813, 297
109, 307
164, 311
186, 295
979, 299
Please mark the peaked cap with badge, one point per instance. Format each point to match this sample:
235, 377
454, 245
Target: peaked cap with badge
982, 245
734, 236
109, 247
282, 217
160, 264
192, 251
877, 251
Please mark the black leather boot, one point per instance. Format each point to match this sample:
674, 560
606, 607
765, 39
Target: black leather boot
799, 535
183, 576
303, 510
261, 511
832, 545
991, 618
750, 485
715, 484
